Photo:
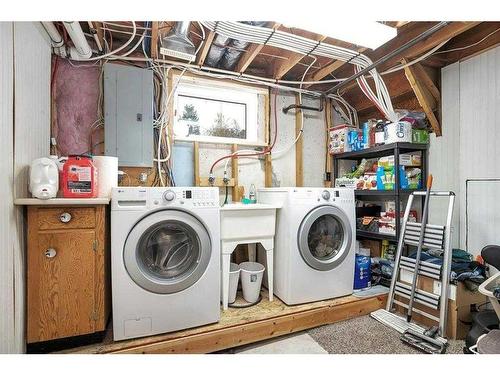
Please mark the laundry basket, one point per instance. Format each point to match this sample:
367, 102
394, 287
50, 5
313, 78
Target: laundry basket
251, 280
234, 278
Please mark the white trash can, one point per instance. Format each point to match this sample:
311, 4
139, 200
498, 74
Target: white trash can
234, 278
251, 280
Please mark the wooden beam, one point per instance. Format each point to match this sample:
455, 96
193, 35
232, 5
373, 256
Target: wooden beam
425, 100
206, 47
292, 59
246, 333
268, 171
299, 160
251, 53
328, 125
328, 69
427, 81
410, 32
154, 40
234, 174
196, 163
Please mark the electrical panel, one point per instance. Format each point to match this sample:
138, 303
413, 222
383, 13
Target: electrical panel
128, 114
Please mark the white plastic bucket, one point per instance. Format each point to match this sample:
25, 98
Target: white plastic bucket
251, 280
234, 278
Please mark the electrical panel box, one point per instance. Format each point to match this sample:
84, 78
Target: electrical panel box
128, 114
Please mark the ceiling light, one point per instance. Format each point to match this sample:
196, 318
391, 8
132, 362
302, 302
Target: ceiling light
368, 34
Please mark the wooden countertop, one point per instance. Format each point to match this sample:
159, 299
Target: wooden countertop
61, 201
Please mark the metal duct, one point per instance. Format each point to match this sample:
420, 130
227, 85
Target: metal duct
227, 52
217, 50
177, 44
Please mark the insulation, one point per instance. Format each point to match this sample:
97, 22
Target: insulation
225, 52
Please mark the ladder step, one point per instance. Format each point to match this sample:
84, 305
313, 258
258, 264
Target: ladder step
431, 228
426, 244
433, 241
426, 268
418, 311
416, 233
398, 322
421, 296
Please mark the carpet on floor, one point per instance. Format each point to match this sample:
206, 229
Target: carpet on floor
365, 335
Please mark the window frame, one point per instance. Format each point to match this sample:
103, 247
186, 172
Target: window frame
261, 130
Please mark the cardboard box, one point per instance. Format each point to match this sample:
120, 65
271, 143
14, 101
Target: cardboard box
374, 246
338, 142
460, 301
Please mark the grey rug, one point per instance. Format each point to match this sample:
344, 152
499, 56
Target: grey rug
365, 335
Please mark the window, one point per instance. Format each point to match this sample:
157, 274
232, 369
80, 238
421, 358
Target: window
209, 111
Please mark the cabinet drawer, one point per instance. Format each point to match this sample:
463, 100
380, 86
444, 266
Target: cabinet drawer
66, 218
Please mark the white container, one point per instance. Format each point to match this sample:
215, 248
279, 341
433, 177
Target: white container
397, 132
44, 178
107, 174
251, 280
234, 278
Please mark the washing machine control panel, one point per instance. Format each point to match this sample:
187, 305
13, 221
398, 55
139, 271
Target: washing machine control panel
196, 197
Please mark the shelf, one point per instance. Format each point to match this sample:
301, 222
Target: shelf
374, 235
384, 150
390, 193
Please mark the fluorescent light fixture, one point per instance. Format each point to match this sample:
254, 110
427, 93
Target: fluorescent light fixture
369, 34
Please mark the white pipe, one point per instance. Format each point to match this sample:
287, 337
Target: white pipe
55, 37
82, 50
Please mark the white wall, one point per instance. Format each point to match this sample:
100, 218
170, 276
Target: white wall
24, 135
469, 148
7, 216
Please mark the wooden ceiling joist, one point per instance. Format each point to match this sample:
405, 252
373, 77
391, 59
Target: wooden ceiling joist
292, 59
425, 98
251, 53
154, 40
206, 47
329, 69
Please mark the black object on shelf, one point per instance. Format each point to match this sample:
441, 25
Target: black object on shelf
395, 149
375, 235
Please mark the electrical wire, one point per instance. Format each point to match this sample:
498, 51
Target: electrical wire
470, 45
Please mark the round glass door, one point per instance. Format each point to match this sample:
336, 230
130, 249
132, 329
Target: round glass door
324, 237
167, 251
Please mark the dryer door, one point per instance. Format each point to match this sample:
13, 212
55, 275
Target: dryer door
324, 237
167, 251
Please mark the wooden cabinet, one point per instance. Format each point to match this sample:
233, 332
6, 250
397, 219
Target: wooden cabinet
68, 289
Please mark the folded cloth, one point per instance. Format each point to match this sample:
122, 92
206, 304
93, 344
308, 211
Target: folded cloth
462, 266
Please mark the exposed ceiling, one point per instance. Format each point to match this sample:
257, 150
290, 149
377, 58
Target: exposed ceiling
270, 62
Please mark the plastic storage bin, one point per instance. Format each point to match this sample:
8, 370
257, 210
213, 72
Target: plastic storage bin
234, 278
251, 280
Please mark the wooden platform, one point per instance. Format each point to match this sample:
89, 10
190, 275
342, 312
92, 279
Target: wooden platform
243, 326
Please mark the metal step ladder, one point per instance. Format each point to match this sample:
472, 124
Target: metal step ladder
436, 237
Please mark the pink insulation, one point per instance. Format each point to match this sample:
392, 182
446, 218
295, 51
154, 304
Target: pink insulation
76, 94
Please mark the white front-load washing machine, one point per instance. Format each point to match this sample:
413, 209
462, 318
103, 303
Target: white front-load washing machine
314, 246
165, 259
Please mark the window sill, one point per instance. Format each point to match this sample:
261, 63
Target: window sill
230, 141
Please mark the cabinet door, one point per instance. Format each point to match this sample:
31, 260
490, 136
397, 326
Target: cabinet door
61, 266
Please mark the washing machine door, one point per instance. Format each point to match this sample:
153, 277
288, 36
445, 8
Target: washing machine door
324, 237
167, 251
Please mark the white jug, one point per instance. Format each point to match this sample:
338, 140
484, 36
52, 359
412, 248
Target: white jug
44, 178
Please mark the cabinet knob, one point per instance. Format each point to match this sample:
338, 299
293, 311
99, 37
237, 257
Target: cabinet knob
50, 253
65, 217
